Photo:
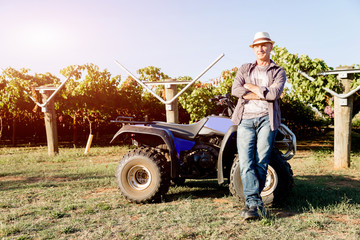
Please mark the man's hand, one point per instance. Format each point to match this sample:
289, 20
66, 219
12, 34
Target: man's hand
251, 96
253, 88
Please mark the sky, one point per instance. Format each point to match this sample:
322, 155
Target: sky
181, 37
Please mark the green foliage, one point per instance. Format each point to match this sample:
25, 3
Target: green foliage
93, 98
196, 99
227, 81
355, 84
302, 89
142, 102
150, 105
15, 104
16, 86
300, 117
356, 121
152, 74
130, 99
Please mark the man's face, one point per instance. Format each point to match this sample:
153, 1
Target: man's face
262, 51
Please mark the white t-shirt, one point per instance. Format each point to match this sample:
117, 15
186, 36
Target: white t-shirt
257, 108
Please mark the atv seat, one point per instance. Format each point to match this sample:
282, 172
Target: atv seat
185, 131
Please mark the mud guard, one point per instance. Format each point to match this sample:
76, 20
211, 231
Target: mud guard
164, 134
224, 144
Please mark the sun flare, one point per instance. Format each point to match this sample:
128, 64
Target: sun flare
42, 38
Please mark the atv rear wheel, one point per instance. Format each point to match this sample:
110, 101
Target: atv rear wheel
143, 175
279, 180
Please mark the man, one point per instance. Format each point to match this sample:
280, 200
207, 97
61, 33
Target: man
258, 86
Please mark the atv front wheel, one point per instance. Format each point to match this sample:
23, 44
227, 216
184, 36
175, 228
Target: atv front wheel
279, 180
143, 176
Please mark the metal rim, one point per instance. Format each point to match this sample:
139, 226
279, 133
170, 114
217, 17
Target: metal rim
139, 177
271, 182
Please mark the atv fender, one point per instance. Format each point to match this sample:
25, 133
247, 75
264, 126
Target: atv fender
164, 134
226, 148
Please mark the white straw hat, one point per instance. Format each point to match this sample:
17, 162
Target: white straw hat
261, 37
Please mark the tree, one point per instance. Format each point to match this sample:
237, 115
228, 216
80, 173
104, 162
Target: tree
195, 100
130, 99
152, 74
151, 106
301, 88
93, 99
16, 86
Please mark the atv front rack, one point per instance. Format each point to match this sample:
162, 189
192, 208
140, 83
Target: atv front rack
288, 139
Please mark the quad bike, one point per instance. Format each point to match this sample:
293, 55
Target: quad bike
168, 152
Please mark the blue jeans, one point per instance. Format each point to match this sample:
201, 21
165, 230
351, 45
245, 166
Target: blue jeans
254, 142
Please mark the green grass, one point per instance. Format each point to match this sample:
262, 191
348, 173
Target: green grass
74, 196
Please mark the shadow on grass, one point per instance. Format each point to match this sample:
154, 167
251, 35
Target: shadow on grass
18, 182
310, 192
193, 189
322, 192
326, 142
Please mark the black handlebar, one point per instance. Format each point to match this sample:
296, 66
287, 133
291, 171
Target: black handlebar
224, 100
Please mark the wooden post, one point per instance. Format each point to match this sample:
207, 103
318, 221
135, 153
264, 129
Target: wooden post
14, 126
172, 111
342, 134
50, 120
